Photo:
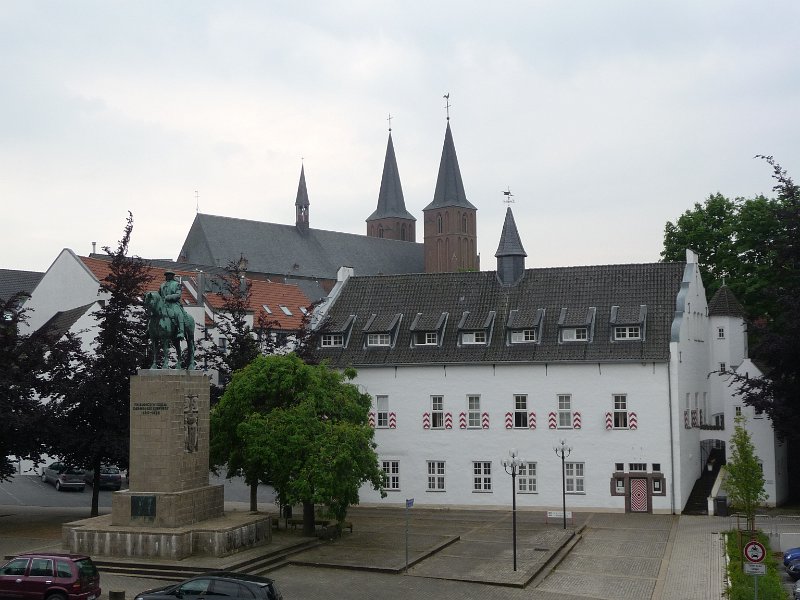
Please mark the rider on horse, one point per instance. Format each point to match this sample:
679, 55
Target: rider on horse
170, 291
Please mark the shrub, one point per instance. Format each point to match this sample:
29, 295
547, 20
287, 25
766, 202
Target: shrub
741, 584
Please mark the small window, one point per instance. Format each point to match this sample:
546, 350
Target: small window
382, 405
722, 367
473, 412
473, 337
464, 224
223, 344
575, 334
286, 311
437, 412
482, 477
619, 467
526, 478
523, 336
638, 467
520, 411
620, 485
656, 467
737, 411
720, 333
303, 310
564, 411
620, 411
426, 338
438, 223
656, 486
332, 340
630, 332
378, 339
391, 474
436, 476
266, 309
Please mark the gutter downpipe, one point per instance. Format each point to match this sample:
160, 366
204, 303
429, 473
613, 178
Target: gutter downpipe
671, 437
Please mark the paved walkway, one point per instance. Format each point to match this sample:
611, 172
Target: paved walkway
631, 557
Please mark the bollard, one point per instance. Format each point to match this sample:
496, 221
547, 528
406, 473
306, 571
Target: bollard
117, 595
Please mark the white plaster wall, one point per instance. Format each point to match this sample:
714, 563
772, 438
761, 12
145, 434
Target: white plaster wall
591, 386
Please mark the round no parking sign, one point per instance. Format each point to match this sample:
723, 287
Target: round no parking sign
754, 551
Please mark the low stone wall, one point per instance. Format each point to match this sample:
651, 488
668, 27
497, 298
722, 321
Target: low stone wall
169, 509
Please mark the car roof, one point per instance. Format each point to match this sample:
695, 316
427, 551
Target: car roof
52, 555
257, 579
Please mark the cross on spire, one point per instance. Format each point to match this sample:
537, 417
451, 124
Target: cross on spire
447, 104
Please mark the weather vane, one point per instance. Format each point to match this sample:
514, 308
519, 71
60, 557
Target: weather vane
509, 197
447, 104
390, 122
197, 201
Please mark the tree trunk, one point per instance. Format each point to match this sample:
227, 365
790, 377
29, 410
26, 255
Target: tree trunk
308, 519
96, 488
254, 497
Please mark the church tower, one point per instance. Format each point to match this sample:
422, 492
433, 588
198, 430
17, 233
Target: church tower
510, 253
451, 237
391, 220
301, 204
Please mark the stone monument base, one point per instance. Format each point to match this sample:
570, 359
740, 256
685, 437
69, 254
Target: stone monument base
222, 536
167, 509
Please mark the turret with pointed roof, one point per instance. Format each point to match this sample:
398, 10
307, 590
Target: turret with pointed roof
301, 204
451, 237
391, 220
510, 253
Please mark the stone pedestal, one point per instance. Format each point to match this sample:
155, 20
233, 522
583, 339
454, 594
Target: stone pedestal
169, 510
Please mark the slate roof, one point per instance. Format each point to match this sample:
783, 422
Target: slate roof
540, 296
13, 281
286, 250
391, 203
61, 322
449, 186
510, 242
725, 304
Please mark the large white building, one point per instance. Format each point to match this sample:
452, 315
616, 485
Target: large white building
617, 361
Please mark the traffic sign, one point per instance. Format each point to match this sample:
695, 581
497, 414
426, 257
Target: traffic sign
755, 569
409, 502
754, 551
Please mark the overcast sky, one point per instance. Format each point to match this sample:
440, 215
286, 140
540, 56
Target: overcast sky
606, 119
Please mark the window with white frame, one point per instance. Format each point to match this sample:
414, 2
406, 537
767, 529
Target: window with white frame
657, 486
437, 412
391, 474
382, 405
481, 476
473, 412
575, 334
523, 336
619, 485
223, 344
720, 333
637, 467
331, 340
620, 411
378, 339
526, 478
520, 411
564, 411
573, 477
627, 332
425, 338
435, 475
473, 337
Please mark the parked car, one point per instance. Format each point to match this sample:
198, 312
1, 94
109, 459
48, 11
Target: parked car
41, 576
110, 477
790, 555
234, 586
63, 476
793, 569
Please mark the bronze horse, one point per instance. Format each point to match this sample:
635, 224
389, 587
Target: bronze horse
161, 329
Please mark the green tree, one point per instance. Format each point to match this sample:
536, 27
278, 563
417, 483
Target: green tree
90, 424
745, 480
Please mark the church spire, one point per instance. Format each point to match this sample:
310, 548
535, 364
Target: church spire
510, 253
449, 186
301, 204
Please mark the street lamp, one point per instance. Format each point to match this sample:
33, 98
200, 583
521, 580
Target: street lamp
563, 451
511, 465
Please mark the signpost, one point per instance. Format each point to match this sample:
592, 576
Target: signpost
755, 552
409, 504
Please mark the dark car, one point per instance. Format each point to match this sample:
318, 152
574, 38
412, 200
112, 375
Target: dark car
233, 586
110, 478
793, 569
63, 476
790, 555
42, 576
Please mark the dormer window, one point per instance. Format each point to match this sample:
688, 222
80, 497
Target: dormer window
332, 340
576, 324
426, 338
474, 328
473, 337
630, 332
523, 336
575, 334
428, 329
378, 339
381, 330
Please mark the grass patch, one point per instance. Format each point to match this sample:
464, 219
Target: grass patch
742, 585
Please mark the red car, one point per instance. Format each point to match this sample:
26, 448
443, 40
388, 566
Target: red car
51, 576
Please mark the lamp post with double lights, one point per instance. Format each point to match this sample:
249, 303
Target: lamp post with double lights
563, 451
511, 465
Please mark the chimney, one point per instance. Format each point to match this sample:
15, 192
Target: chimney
94, 247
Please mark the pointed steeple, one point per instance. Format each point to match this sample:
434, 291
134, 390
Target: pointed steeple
510, 253
391, 203
301, 203
449, 186
725, 304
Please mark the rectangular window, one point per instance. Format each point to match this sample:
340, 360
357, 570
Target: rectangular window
629, 332
620, 411
391, 474
425, 338
523, 336
526, 478
378, 339
330, 340
720, 333
575, 334
564, 411
738, 411
473, 412
285, 310
638, 467
722, 367
435, 475
656, 467
573, 472
656, 486
437, 412
619, 467
620, 485
482, 477
223, 344
473, 337
382, 404
520, 411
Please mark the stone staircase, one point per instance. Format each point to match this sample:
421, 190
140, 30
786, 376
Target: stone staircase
697, 504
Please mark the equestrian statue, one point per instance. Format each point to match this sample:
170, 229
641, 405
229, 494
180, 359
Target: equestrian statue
168, 324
